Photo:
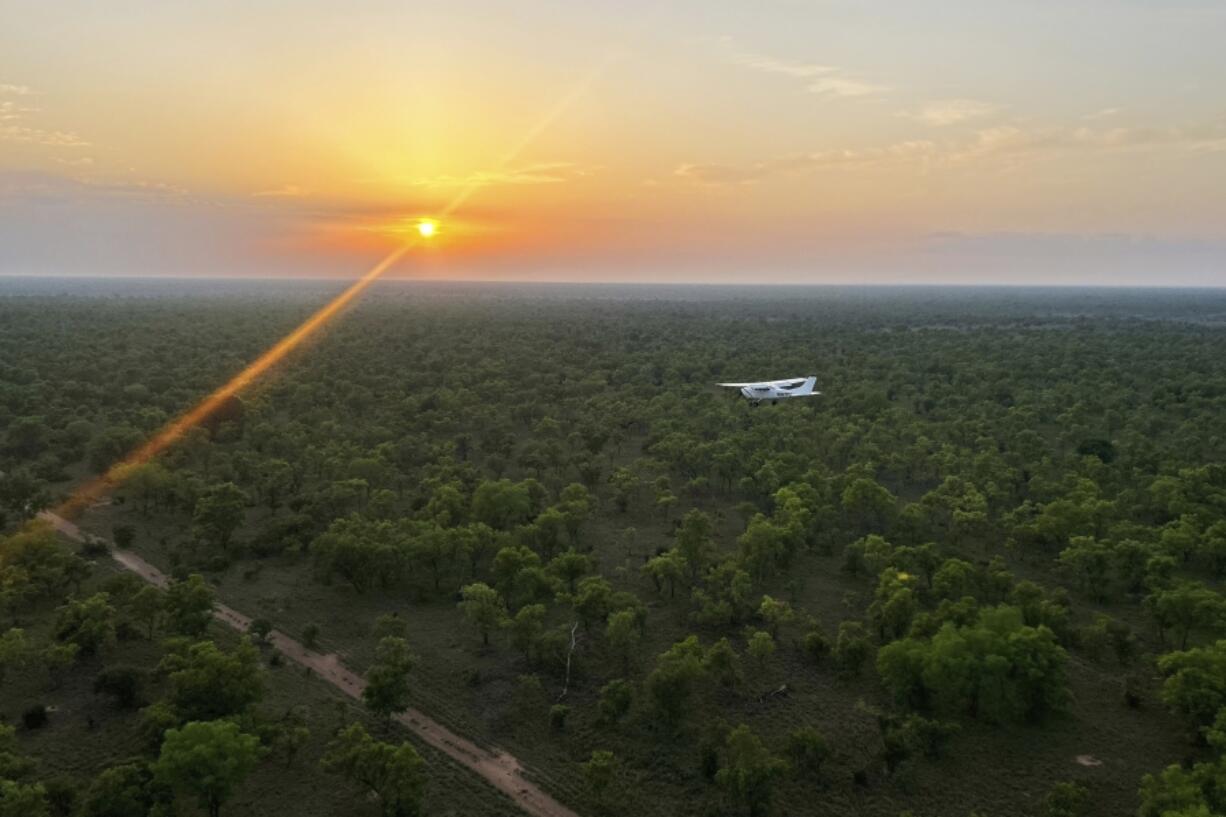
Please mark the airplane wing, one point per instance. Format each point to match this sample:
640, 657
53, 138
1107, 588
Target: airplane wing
740, 385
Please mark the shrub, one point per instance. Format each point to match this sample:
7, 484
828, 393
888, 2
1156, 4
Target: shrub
35, 717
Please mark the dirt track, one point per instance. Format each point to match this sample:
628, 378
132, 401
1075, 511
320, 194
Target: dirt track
498, 768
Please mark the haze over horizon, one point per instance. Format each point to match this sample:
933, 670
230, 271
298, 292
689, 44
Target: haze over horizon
721, 142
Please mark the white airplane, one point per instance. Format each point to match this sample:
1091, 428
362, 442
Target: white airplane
772, 391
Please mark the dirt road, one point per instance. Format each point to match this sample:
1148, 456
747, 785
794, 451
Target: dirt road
498, 768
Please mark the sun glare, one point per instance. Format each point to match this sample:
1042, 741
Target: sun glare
426, 228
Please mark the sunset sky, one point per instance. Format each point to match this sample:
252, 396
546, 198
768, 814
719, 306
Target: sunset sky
821, 141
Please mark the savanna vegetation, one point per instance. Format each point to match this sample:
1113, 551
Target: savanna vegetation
982, 574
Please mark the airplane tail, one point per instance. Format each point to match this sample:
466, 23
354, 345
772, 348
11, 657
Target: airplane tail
807, 388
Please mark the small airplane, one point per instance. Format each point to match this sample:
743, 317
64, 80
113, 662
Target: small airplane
772, 391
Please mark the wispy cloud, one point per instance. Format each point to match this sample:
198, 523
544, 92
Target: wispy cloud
951, 111
771, 65
1009, 145
822, 80
540, 173
285, 191
723, 174
15, 125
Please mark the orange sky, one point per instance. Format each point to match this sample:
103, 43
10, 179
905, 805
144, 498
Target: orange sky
725, 141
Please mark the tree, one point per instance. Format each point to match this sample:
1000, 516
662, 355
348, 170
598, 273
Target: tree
1195, 685
998, 668
761, 646
208, 759
126, 790
1179, 792
616, 698
723, 664
775, 614
394, 775
123, 535
502, 504
694, 542
14, 650
146, 607
677, 673
57, 658
623, 635
1067, 800
666, 569
484, 608
569, 566
599, 772
851, 647
218, 514
807, 749
748, 777
22, 494
88, 623
23, 799
387, 680
868, 504
526, 627
189, 606
207, 683
1185, 606
593, 600
122, 682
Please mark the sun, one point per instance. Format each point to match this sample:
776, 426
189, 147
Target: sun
427, 227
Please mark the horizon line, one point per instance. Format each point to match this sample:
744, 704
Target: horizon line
338, 279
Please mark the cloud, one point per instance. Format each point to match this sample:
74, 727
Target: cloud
541, 173
38, 136
771, 65
1011, 144
285, 191
951, 111
822, 80
722, 174
845, 87
15, 125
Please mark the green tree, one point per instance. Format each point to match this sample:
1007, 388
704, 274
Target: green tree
387, 680
666, 570
484, 608
675, 678
694, 542
851, 647
14, 650
750, 773
599, 772
218, 514
623, 636
88, 623
189, 606
394, 775
1195, 685
807, 749
569, 566
208, 759
761, 646
206, 683
125, 790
